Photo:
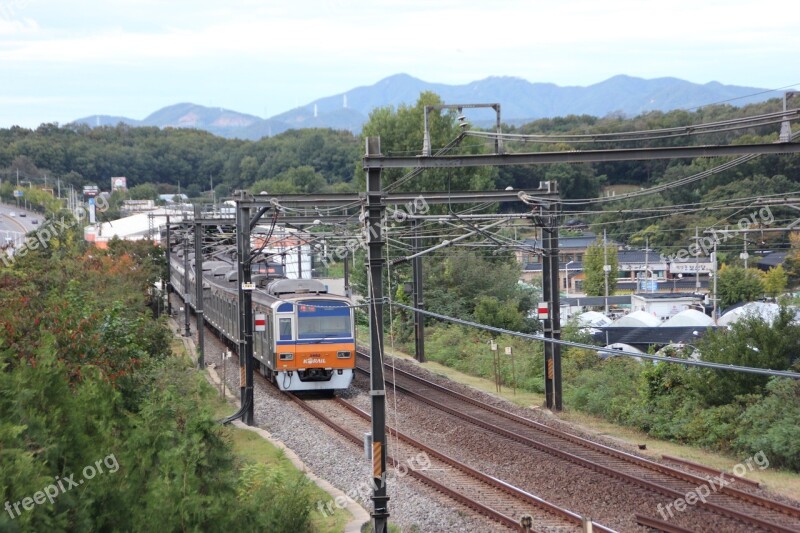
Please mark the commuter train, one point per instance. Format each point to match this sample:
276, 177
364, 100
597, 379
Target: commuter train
308, 342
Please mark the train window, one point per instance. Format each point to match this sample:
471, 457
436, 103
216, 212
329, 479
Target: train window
285, 325
323, 319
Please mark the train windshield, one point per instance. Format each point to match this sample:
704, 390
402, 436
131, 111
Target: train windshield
323, 319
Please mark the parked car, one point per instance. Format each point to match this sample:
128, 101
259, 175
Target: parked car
35, 221
23, 214
13, 214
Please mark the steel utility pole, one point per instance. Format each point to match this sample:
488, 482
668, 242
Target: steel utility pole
244, 282
714, 312
187, 330
745, 255
169, 270
647, 263
346, 263
299, 258
606, 269
419, 300
198, 277
697, 260
551, 292
375, 262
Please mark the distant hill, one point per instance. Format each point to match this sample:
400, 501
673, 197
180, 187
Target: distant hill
521, 101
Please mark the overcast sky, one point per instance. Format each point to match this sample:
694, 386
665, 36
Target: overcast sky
65, 59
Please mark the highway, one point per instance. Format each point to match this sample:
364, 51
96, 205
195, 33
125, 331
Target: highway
13, 229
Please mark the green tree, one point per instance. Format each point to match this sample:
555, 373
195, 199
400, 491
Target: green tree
500, 314
457, 280
736, 284
402, 132
594, 274
87, 378
575, 181
775, 281
751, 341
304, 178
248, 168
792, 261
772, 425
143, 191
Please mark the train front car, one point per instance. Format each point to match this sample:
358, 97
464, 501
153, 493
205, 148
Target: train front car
314, 338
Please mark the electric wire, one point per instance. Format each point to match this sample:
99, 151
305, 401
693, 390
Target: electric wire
646, 135
688, 362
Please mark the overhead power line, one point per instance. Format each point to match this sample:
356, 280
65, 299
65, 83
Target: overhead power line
676, 360
647, 135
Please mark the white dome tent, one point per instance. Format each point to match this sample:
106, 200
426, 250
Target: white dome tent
688, 318
637, 319
622, 347
764, 310
593, 319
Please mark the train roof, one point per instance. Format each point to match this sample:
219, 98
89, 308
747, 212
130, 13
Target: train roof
296, 286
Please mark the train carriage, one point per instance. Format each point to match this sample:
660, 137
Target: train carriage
308, 342
310, 338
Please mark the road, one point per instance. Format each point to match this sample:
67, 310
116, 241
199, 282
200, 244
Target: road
15, 228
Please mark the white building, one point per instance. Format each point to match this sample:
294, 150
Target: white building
664, 306
146, 225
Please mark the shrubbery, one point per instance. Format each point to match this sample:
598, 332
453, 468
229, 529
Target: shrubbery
86, 374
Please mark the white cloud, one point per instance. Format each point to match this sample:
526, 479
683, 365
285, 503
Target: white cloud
33, 100
22, 27
291, 52
498, 34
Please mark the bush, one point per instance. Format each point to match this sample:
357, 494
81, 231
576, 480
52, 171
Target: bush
280, 503
772, 425
608, 390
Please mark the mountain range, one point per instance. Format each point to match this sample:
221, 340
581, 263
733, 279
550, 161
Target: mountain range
520, 100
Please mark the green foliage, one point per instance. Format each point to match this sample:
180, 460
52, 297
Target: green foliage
87, 381
457, 281
468, 351
176, 157
143, 191
401, 133
735, 284
775, 281
606, 390
749, 342
505, 314
594, 275
792, 261
772, 425
278, 502
575, 181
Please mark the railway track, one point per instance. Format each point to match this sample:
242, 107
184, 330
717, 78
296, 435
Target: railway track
490, 497
752, 510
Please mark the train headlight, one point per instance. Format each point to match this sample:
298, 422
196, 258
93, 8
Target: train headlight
344, 355
286, 356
